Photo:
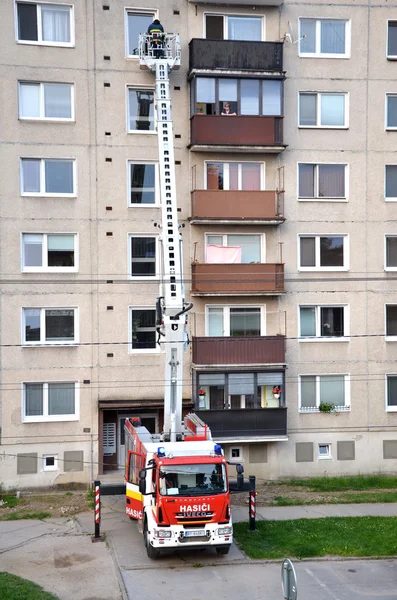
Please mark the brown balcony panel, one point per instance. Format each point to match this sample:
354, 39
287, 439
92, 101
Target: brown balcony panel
251, 131
235, 55
245, 422
238, 350
238, 278
235, 205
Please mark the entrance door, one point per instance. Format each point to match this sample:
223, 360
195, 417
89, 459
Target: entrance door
148, 421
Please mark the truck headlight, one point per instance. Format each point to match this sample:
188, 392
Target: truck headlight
225, 531
162, 533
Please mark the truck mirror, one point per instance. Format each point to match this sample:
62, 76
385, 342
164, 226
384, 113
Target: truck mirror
142, 474
142, 486
240, 481
240, 469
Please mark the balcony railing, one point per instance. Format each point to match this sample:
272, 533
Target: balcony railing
250, 350
242, 207
245, 422
235, 55
249, 133
238, 278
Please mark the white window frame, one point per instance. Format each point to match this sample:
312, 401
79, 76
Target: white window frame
143, 11
41, 42
389, 338
389, 235
44, 268
225, 22
156, 183
394, 95
42, 116
328, 455
318, 53
387, 407
318, 109
389, 198
345, 408
318, 198
157, 260
42, 342
131, 350
317, 237
318, 337
226, 317
46, 417
50, 468
224, 242
140, 131
233, 459
43, 193
226, 171
389, 56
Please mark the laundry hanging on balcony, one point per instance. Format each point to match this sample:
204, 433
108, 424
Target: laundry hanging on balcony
223, 254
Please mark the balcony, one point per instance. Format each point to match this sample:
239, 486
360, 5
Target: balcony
246, 423
240, 279
239, 133
235, 55
237, 207
251, 350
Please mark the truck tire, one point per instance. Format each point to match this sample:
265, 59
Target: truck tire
153, 553
222, 549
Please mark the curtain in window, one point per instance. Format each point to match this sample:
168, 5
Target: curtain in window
33, 399
308, 109
228, 90
215, 323
308, 321
233, 176
59, 325
333, 37
391, 319
392, 391
332, 389
331, 321
249, 90
215, 176
307, 252
391, 181
61, 398
270, 379
306, 181
222, 254
245, 322
205, 90
333, 109
331, 181
251, 176
60, 242
31, 176
57, 101
308, 391
392, 111
29, 100
56, 23
245, 28
271, 97
33, 250
59, 176
241, 383
212, 379
250, 245
391, 252
308, 29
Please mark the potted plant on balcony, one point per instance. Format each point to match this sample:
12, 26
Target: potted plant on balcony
201, 392
276, 391
326, 407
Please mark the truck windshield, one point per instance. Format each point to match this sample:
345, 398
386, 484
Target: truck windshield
193, 480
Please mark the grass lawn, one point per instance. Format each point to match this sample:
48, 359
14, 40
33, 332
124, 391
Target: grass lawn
18, 516
16, 588
359, 498
340, 484
305, 538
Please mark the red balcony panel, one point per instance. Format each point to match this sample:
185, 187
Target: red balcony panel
240, 278
255, 131
231, 205
238, 350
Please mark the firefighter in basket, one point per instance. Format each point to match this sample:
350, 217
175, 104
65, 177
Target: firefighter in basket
157, 38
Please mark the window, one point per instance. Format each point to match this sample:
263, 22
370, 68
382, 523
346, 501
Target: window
219, 391
327, 253
47, 24
391, 182
320, 393
391, 393
49, 252
50, 462
234, 321
47, 177
391, 252
140, 109
244, 96
233, 27
143, 256
233, 248
325, 109
391, 321
234, 176
391, 111
142, 184
392, 40
52, 401
46, 101
323, 322
137, 22
324, 38
324, 451
321, 181
236, 454
143, 330
49, 326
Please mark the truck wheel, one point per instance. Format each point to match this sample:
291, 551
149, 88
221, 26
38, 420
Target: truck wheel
222, 549
152, 553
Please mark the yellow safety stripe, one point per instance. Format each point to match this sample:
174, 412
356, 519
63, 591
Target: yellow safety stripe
134, 495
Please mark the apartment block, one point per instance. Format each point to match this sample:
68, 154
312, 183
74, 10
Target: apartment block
284, 118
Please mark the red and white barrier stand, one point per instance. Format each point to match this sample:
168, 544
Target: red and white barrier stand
97, 512
252, 502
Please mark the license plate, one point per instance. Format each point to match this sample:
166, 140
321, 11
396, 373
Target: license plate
194, 533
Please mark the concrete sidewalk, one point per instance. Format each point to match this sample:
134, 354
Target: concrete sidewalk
283, 513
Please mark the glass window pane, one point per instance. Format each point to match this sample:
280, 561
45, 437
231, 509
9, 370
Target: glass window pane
141, 110
32, 250
59, 325
55, 23
392, 391
32, 324
142, 184
215, 321
59, 177
245, 322
331, 181
332, 389
228, 90
250, 245
392, 38
136, 23
308, 321
233, 176
251, 176
29, 100
308, 391
271, 97
205, 90
333, 109
391, 252
57, 101
307, 252
30, 176
331, 252
308, 29
27, 21
391, 181
249, 90
217, 240
61, 398
144, 334
391, 319
143, 256
331, 321
333, 37
306, 181
214, 27
307, 109
392, 111
245, 28
33, 399
215, 176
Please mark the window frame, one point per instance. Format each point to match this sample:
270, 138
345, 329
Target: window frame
389, 56
262, 244
318, 53
233, 459
389, 235
389, 408
225, 23
42, 342
43, 193
143, 11
42, 42
328, 455
387, 95
45, 417
154, 278
46, 268
321, 338
42, 116
318, 236
237, 162
156, 183
131, 350
130, 86
317, 198
319, 94
310, 410
47, 468
226, 317
389, 338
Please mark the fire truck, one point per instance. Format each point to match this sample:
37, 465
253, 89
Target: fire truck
177, 485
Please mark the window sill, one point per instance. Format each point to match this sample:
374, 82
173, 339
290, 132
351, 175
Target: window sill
322, 269
390, 338
49, 270
323, 127
148, 351
324, 339
390, 199
49, 345
52, 419
46, 120
391, 408
142, 132
50, 44
323, 200
32, 195
391, 57
338, 409
157, 205
390, 128
325, 458
312, 55
144, 278
50, 470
